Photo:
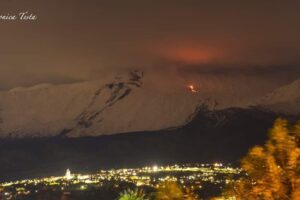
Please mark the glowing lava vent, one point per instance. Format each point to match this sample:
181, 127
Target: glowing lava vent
192, 88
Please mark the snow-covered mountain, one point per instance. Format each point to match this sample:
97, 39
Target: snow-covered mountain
115, 104
285, 99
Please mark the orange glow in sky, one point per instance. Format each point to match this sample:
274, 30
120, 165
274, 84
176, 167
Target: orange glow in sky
192, 55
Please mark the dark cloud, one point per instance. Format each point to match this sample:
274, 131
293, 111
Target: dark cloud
78, 40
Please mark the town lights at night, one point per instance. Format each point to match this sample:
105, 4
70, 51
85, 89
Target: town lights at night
189, 176
155, 168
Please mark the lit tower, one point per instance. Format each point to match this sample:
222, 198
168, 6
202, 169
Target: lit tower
68, 175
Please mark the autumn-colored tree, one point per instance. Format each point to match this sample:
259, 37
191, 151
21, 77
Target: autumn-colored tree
170, 190
272, 170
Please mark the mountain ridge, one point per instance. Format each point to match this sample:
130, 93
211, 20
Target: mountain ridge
93, 108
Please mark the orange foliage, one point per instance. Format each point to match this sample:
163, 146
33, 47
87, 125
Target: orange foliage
273, 170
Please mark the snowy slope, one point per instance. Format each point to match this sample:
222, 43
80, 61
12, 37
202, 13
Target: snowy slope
285, 99
128, 102
113, 105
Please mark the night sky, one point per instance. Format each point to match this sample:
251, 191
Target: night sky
78, 40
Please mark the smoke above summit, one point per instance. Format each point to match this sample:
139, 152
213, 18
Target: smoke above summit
74, 40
